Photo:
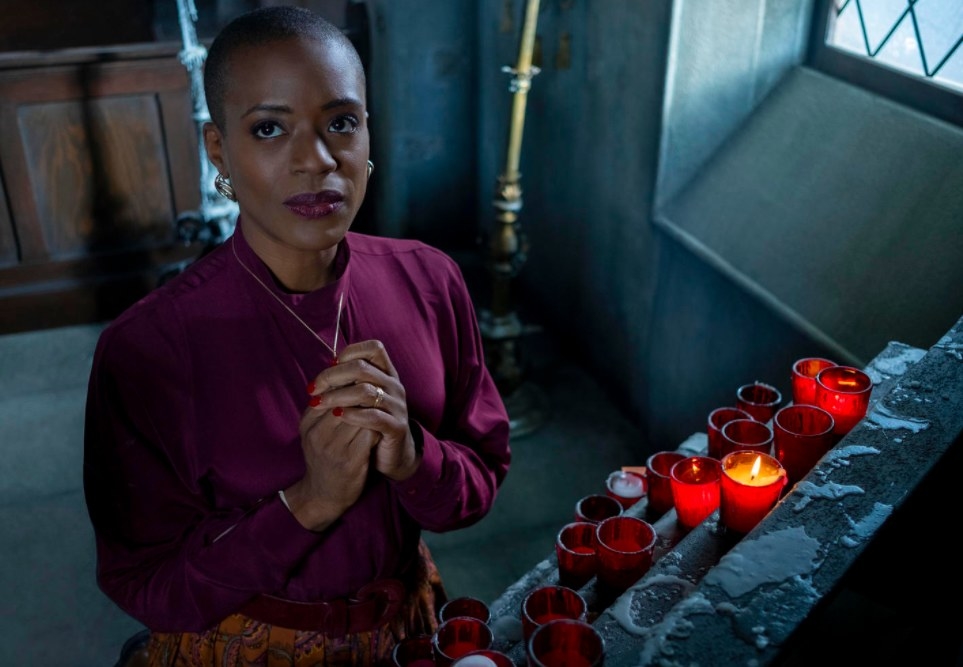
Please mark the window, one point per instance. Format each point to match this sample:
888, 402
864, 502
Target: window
908, 50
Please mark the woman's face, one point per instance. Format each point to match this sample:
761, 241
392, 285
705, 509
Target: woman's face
295, 143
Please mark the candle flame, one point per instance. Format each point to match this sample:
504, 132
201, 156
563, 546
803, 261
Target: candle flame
755, 468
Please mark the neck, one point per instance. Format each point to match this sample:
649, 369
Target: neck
333, 347
297, 271
302, 272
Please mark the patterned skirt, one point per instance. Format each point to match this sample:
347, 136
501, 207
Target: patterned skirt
240, 641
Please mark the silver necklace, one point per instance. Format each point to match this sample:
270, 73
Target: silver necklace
337, 323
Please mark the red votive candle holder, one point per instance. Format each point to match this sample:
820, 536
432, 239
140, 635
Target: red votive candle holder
566, 643
465, 606
657, 469
460, 635
759, 399
751, 486
548, 603
746, 434
596, 507
575, 550
843, 392
625, 546
695, 489
802, 434
486, 658
717, 419
626, 487
414, 651
804, 372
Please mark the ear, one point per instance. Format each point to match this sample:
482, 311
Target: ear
214, 145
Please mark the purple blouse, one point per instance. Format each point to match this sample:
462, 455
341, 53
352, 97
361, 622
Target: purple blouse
193, 407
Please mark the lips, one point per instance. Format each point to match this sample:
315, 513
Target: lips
315, 204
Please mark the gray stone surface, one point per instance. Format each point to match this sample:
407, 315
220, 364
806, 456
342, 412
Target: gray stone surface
746, 608
506, 608
52, 611
713, 596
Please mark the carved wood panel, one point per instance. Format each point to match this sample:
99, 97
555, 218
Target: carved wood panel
98, 174
8, 243
97, 158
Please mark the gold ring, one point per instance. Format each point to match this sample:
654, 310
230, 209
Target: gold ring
380, 397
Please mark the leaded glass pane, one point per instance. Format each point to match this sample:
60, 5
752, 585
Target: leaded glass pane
919, 37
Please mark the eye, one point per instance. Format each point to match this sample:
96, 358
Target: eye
267, 129
345, 124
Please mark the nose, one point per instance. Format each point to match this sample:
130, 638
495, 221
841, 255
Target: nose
312, 155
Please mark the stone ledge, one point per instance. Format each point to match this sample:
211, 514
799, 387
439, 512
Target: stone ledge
703, 572
746, 608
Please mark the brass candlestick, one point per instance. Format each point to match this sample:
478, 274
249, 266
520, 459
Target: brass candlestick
500, 326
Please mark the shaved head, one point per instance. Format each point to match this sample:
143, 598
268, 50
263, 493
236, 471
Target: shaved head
257, 28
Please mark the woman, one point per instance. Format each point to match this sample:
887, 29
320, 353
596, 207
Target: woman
268, 434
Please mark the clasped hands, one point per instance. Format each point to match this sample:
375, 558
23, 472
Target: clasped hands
357, 417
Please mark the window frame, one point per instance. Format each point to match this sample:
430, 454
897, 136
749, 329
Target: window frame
877, 76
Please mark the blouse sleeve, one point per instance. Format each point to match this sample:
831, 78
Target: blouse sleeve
160, 555
466, 460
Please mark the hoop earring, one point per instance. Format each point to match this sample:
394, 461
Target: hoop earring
370, 168
224, 187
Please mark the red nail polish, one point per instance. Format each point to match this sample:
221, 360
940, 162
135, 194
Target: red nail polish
311, 387
333, 362
315, 401
338, 411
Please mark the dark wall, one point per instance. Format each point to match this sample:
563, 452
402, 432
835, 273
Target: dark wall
589, 167
624, 127
422, 78
30, 25
660, 103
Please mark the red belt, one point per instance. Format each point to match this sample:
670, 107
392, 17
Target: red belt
373, 606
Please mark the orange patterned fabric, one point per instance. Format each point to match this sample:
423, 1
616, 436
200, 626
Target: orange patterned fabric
240, 641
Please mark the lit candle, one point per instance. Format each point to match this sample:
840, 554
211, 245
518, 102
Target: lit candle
626, 487
751, 486
843, 392
804, 373
695, 489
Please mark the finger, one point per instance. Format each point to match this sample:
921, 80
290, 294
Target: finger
309, 418
373, 351
324, 424
356, 363
362, 396
379, 399
346, 374
363, 386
